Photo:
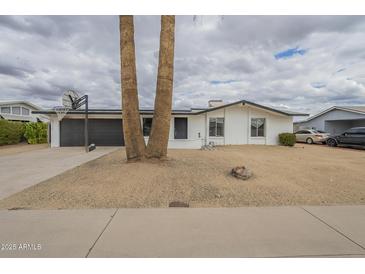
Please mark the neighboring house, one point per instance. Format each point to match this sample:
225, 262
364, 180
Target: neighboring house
20, 111
335, 120
236, 123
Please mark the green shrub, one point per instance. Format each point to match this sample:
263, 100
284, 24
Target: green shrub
36, 133
287, 139
10, 132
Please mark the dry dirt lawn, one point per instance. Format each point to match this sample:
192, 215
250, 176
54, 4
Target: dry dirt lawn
302, 175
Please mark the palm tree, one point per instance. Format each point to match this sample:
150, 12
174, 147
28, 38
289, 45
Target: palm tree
159, 137
133, 137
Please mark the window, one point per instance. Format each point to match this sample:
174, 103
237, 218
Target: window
304, 132
147, 125
355, 131
361, 131
216, 127
5, 109
25, 111
16, 110
258, 127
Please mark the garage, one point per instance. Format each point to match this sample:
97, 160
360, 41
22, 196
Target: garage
102, 132
340, 126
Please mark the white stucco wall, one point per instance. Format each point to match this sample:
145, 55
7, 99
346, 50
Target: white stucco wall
55, 131
275, 124
236, 127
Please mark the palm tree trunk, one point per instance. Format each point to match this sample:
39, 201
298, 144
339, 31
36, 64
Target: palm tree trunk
159, 137
133, 137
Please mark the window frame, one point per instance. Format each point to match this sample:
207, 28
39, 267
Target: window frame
257, 129
5, 107
143, 126
20, 110
215, 120
351, 131
27, 109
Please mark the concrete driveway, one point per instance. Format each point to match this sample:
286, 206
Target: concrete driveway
22, 170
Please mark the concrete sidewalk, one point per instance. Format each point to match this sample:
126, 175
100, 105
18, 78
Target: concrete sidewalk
334, 231
22, 170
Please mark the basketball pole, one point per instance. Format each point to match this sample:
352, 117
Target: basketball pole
84, 100
86, 123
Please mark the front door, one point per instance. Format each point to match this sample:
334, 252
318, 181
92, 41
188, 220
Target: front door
181, 128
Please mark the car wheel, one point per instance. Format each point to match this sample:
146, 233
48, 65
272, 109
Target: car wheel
309, 141
331, 142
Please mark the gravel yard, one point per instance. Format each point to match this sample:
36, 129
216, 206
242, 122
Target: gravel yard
302, 175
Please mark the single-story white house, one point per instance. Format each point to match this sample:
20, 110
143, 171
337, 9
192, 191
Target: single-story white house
241, 122
334, 120
20, 111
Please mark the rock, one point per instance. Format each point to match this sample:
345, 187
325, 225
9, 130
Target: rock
210, 146
178, 204
241, 172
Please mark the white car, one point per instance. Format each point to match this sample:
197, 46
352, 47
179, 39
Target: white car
311, 136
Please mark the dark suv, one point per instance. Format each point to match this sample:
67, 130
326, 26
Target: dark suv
354, 137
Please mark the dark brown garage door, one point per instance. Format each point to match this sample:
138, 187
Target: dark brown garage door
102, 132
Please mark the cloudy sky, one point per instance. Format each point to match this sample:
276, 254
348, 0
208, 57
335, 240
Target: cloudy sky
300, 63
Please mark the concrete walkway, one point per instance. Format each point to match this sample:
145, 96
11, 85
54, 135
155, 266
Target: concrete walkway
22, 170
335, 231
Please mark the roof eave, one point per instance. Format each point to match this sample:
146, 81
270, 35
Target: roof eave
21, 102
179, 112
330, 109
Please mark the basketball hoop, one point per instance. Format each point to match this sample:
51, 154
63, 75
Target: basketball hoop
69, 98
61, 112
68, 102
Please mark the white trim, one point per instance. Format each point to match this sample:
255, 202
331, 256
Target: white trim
206, 128
248, 124
224, 126
55, 132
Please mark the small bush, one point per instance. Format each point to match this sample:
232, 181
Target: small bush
287, 139
10, 132
36, 133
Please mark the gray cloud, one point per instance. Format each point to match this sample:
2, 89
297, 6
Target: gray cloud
229, 58
10, 70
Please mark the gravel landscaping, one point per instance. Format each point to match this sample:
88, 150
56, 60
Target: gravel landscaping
300, 175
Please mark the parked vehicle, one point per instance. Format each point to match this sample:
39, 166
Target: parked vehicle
311, 136
353, 137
